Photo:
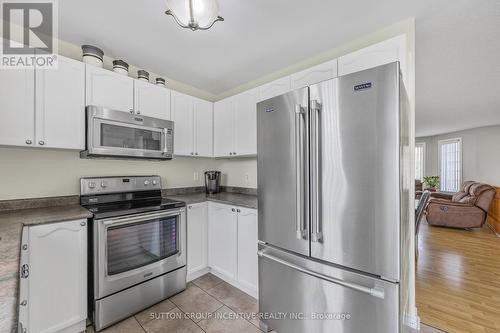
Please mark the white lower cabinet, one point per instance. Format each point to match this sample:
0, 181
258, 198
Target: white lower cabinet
248, 263
197, 230
222, 240
232, 244
53, 277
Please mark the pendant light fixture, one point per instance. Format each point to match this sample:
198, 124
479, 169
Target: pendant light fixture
194, 14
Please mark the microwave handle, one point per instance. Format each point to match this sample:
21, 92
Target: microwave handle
165, 150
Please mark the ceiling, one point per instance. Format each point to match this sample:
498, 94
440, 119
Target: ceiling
457, 67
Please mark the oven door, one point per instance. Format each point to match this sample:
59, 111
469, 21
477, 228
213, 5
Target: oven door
117, 133
132, 249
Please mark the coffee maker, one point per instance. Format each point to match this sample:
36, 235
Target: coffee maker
212, 182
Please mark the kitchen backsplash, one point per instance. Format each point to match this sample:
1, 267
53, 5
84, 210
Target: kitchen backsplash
31, 173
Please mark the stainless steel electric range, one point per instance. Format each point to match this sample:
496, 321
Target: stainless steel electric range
137, 243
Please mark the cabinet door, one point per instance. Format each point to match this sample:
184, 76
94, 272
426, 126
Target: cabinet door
247, 249
151, 100
382, 53
246, 123
109, 89
17, 126
182, 115
60, 105
57, 258
222, 239
197, 237
275, 88
224, 128
203, 127
310, 76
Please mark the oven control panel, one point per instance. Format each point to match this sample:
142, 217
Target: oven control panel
103, 185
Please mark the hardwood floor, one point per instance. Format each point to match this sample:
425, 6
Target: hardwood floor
458, 279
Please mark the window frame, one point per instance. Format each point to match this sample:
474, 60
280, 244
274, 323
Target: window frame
460, 156
424, 153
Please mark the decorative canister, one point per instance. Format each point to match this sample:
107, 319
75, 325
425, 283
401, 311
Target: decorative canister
143, 75
160, 81
120, 66
92, 55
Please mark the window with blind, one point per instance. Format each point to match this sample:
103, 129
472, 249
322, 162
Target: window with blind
450, 164
420, 160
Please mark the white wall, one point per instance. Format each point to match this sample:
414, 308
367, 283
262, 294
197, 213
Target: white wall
238, 172
31, 173
480, 149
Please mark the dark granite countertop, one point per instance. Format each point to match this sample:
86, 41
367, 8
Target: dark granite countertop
11, 225
229, 198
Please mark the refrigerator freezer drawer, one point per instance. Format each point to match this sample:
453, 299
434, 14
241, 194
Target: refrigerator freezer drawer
297, 295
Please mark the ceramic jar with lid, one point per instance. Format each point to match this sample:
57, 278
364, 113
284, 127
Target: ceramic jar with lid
92, 55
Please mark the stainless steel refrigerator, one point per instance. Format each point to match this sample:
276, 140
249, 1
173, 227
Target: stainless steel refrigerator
334, 218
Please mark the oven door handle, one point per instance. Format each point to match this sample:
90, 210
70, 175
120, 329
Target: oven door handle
138, 218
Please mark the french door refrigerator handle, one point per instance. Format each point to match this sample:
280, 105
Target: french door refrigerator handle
300, 112
376, 292
316, 235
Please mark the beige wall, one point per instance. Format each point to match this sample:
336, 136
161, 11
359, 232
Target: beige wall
31, 173
480, 153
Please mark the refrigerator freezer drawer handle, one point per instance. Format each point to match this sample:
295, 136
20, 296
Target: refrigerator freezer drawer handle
376, 292
299, 170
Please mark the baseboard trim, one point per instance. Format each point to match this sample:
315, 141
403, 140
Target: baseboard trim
412, 321
493, 229
196, 274
250, 291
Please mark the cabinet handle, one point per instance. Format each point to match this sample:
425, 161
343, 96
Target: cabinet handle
28, 142
234, 153
41, 143
239, 211
231, 154
233, 210
196, 154
131, 111
138, 112
192, 153
83, 224
189, 207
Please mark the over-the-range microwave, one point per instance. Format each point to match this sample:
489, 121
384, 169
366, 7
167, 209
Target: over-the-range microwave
118, 134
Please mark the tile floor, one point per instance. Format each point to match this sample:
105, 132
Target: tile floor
208, 305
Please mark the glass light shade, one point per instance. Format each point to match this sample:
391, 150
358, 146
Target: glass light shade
194, 14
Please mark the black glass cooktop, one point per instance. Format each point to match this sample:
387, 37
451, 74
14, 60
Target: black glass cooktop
120, 204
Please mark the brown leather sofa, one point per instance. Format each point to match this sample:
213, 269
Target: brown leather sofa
466, 209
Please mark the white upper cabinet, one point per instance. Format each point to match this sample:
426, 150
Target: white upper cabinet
17, 107
235, 125
193, 125
109, 89
245, 123
310, 76
60, 105
382, 53
182, 115
203, 127
248, 263
151, 100
224, 127
275, 88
